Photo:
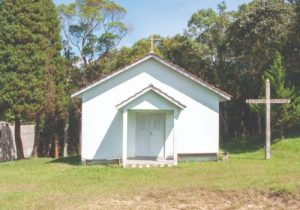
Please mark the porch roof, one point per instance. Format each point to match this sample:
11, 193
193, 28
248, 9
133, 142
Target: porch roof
147, 89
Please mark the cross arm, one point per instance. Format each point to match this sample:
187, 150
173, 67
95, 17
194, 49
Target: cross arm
256, 101
280, 101
272, 101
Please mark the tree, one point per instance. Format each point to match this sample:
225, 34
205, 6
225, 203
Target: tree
92, 28
29, 55
257, 30
57, 97
189, 54
209, 28
260, 28
22, 58
291, 51
284, 115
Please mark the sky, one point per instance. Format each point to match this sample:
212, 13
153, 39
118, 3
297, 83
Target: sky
163, 17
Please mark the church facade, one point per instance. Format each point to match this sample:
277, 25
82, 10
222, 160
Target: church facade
150, 110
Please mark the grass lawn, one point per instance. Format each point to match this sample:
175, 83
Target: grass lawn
247, 181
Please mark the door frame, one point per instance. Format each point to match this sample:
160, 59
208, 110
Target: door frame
128, 130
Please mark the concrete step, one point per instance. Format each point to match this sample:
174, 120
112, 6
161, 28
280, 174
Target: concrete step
158, 165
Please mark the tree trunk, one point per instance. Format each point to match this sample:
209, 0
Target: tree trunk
49, 148
36, 136
281, 133
66, 130
18, 139
259, 124
55, 146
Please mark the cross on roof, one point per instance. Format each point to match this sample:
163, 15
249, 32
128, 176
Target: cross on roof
268, 101
152, 43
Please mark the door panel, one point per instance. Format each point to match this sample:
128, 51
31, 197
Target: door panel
142, 134
157, 131
150, 134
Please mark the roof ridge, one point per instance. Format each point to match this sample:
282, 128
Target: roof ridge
173, 66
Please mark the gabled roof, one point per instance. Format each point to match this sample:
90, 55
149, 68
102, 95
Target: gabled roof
147, 89
172, 66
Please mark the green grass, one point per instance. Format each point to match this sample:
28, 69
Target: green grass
47, 184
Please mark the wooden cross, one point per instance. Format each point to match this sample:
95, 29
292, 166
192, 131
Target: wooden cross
268, 101
152, 43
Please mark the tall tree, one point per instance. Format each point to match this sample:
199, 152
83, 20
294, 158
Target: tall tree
209, 28
291, 51
56, 99
28, 50
287, 114
258, 29
22, 59
92, 28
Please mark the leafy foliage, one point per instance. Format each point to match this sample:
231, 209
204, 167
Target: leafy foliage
91, 29
209, 28
284, 115
33, 77
257, 31
22, 56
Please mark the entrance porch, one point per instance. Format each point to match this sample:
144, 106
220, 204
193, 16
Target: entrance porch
149, 125
150, 139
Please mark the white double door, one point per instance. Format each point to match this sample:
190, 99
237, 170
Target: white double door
150, 134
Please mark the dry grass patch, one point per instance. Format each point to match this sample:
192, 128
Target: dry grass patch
193, 198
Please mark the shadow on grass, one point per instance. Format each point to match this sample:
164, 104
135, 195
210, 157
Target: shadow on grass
244, 145
72, 160
76, 161
247, 144
261, 157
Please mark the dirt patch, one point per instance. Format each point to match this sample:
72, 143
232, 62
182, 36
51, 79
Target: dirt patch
200, 199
